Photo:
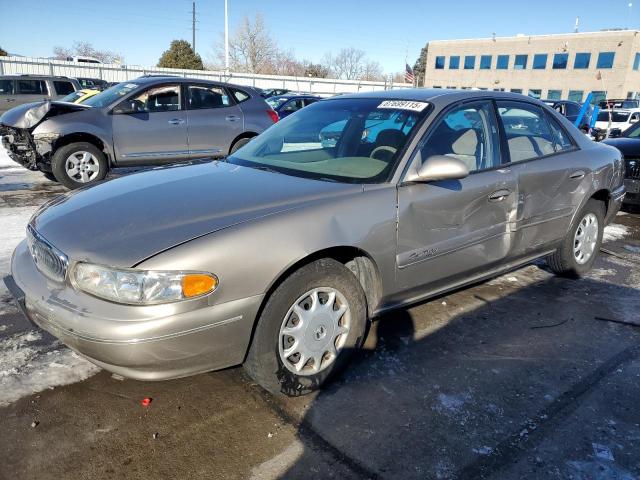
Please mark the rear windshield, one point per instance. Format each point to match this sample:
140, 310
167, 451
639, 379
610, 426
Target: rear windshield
346, 140
111, 95
615, 116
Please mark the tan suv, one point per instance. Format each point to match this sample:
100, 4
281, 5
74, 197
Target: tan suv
19, 89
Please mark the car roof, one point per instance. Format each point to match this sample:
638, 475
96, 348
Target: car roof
435, 95
151, 79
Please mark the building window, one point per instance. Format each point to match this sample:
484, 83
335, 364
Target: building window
582, 61
535, 93
516, 90
485, 62
576, 95
503, 62
554, 94
436, 86
498, 89
440, 63
605, 59
598, 96
636, 62
560, 61
540, 61
451, 88
469, 62
454, 62
520, 63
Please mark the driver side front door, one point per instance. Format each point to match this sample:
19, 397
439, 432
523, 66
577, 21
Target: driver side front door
450, 230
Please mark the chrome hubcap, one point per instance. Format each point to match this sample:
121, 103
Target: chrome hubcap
314, 330
585, 239
82, 167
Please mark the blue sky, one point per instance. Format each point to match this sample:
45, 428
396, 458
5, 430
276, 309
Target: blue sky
141, 30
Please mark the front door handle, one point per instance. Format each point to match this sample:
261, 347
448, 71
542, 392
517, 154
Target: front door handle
176, 121
578, 174
11, 99
232, 118
499, 195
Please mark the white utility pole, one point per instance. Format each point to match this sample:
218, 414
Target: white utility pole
226, 37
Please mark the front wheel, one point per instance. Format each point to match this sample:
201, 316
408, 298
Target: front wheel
79, 164
578, 251
309, 327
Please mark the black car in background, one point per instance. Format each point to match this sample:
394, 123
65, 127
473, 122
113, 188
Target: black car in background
571, 110
629, 144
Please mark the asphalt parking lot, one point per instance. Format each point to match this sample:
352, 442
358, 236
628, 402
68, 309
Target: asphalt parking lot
525, 376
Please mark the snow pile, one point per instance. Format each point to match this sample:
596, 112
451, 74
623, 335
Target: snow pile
615, 232
13, 226
27, 367
6, 164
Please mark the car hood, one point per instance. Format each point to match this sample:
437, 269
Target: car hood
628, 146
28, 115
125, 221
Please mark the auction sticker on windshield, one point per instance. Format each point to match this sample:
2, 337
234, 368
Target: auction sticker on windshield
404, 105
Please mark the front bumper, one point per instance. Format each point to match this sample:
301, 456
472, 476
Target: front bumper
633, 191
615, 203
146, 343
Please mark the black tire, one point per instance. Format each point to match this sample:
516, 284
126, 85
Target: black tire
263, 362
563, 261
239, 144
61, 155
50, 176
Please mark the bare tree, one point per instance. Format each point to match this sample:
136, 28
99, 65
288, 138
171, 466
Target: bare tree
85, 49
349, 63
251, 47
372, 71
285, 63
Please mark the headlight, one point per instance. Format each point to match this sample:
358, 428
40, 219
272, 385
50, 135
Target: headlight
141, 287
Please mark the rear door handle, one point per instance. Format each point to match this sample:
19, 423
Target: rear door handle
499, 195
232, 118
577, 174
176, 121
11, 99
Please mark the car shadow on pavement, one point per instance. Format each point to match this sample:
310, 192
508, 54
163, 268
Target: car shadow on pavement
525, 384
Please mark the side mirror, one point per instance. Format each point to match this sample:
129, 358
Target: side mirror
439, 167
633, 119
128, 106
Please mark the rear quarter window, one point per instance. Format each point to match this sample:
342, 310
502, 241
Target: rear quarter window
6, 87
240, 95
63, 88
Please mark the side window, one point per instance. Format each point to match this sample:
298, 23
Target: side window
527, 131
32, 87
63, 88
6, 87
309, 101
207, 96
240, 95
165, 98
562, 141
293, 105
468, 133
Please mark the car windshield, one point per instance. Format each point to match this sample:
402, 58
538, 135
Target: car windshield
72, 97
111, 95
633, 131
616, 117
345, 140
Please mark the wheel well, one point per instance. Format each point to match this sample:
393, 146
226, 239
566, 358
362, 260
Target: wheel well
603, 196
240, 137
80, 137
356, 260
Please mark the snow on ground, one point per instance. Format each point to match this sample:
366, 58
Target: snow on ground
615, 232
27, 368
13, 223
6, 164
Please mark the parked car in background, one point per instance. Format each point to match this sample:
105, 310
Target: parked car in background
19, 89
83, 59
285, 105
147, 121
164, 273
628, 142
617, 103
273, 92
571, 110
80, 96
615, 121
93, 83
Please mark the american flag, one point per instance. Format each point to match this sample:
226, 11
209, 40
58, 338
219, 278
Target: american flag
408, 74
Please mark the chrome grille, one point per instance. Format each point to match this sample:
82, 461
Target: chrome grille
50, 261
632, 168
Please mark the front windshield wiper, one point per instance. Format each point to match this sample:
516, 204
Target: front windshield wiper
264, 168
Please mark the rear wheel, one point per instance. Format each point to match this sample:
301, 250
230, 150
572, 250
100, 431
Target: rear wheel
239, 144
578, 251
308, 329
79, 164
